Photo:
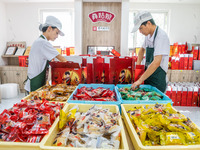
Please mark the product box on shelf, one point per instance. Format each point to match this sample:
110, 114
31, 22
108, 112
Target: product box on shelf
66, 72
165, 99
136, 140
95, 86
48, 142
195, 96
184, 96
195, 52
178, 96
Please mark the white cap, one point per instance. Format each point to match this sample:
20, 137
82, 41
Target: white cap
140, 18
54, 22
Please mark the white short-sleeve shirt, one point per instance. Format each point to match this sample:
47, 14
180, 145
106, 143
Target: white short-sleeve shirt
41, 51
161, 46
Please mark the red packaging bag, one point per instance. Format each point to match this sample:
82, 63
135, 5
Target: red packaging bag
169, 92
90, 70
184, 97
173, 63
185, 61
179, 48
174, 90
190, 62
183, 48
181, 64
177, 63
98, 64
195, 51
195, 97
106, 70
189, 96
179, 96
139, 70
124, 70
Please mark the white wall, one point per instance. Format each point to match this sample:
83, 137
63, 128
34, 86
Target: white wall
3, 34
23, 19
184, 20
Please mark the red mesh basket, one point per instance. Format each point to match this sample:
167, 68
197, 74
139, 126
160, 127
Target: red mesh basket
23, 61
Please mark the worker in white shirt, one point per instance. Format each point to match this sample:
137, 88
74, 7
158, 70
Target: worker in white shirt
42, 52
157, 47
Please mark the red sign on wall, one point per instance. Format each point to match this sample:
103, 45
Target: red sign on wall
101, 16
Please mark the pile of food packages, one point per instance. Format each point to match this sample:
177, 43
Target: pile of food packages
91, 94
96, 128
162, 125
59, 92
28, 121
139, 94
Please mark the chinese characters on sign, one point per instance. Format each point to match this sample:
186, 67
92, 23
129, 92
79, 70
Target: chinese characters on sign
100, 28
101, 16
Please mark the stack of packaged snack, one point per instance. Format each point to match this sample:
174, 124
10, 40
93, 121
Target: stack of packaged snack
96, 128
28, 121
59, 92
139, 94
91, 94
162, 125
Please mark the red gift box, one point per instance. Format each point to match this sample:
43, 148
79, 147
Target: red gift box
190, 62
173, 63
99, 75
120, 70
184, 97
179, 51
195, 97
185, 61
177, 63
90, 70
195, 51
65, 72
174, 90
189, 96
179, 96
169, 92
181, 64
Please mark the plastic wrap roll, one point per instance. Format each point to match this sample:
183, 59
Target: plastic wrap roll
9, 90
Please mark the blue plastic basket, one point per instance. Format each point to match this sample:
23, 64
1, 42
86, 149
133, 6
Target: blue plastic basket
106, 86
164, 100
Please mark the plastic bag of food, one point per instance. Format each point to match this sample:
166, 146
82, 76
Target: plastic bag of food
173, 138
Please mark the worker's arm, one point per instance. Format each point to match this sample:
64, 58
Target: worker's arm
150, 70
140, 56
61, 58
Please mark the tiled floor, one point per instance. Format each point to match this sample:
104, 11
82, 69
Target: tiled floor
192, 112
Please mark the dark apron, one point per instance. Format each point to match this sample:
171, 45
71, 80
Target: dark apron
158, 78
39, 80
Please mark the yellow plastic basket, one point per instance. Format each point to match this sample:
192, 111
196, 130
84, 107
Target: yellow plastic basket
46, 144
135, 139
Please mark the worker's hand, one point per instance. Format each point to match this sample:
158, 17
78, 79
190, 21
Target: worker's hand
136, 85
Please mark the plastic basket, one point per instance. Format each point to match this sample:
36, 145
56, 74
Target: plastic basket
135, 139
164, 100
23, 61
106, 86
25, 145
48, 141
